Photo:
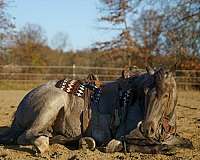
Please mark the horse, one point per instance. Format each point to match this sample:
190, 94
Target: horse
73, 110
156, 132
56, 113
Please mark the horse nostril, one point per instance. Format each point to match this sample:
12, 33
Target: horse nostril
150, 129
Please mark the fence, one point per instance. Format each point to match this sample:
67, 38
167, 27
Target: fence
26, 77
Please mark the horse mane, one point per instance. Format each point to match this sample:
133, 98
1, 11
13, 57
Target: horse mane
92, 77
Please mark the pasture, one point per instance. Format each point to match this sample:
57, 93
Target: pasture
188, 121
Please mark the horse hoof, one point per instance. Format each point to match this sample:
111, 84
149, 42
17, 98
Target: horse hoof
41, 145
114, 146
87, 143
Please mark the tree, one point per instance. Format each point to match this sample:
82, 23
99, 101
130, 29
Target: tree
117, 14
145, 27
31, 33
182, 28
147, 30
60, 41
6, 26
28, 45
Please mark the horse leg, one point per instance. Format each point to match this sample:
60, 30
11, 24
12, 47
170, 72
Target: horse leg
114, 146
38, 133
22, 139
100, 129
87, 143
41, 144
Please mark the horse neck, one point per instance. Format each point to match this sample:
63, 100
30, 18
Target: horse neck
136, 82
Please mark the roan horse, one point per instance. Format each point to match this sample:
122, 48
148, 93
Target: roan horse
138, 110
156, 133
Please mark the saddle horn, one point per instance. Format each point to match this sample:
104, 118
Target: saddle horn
149, 66
150, 70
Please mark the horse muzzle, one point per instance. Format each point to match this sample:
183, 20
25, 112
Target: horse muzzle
148, 129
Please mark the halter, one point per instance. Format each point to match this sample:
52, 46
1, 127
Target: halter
164, 129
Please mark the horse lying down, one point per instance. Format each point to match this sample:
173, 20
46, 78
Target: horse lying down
138, 111
156, 128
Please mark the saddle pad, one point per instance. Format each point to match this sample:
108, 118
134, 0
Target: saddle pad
74, 87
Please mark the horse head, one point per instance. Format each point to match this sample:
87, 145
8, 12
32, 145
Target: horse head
160, 102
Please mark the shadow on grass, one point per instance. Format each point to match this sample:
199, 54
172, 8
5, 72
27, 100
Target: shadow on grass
3, 132
26, 149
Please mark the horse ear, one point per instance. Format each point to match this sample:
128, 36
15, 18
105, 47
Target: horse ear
123, 74
149, 70
172, 70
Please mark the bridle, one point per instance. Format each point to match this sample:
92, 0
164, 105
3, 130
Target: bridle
164, 129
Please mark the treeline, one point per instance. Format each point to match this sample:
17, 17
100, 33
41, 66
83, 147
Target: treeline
35, 52
29, 47
161, 32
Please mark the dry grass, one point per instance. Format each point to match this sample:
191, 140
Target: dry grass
188, 121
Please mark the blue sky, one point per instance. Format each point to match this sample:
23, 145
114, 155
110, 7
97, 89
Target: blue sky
77, 18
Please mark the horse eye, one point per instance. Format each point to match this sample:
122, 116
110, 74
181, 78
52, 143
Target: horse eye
166, 95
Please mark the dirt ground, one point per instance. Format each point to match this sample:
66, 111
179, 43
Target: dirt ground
188, 121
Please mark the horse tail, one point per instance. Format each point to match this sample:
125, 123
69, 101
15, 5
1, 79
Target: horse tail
10, 135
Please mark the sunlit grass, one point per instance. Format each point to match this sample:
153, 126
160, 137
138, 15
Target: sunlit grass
19, 85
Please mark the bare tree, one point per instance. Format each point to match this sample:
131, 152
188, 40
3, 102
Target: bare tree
6, 26
163, 26
60, 41
28, 44
31, 33
182, 28
147, 30
117, 14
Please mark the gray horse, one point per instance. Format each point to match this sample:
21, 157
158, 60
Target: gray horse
54, 112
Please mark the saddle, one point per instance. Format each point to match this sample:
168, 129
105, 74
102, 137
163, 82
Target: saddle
74, 87
87, 90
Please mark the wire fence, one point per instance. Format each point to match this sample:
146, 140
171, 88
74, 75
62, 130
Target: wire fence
26, 77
